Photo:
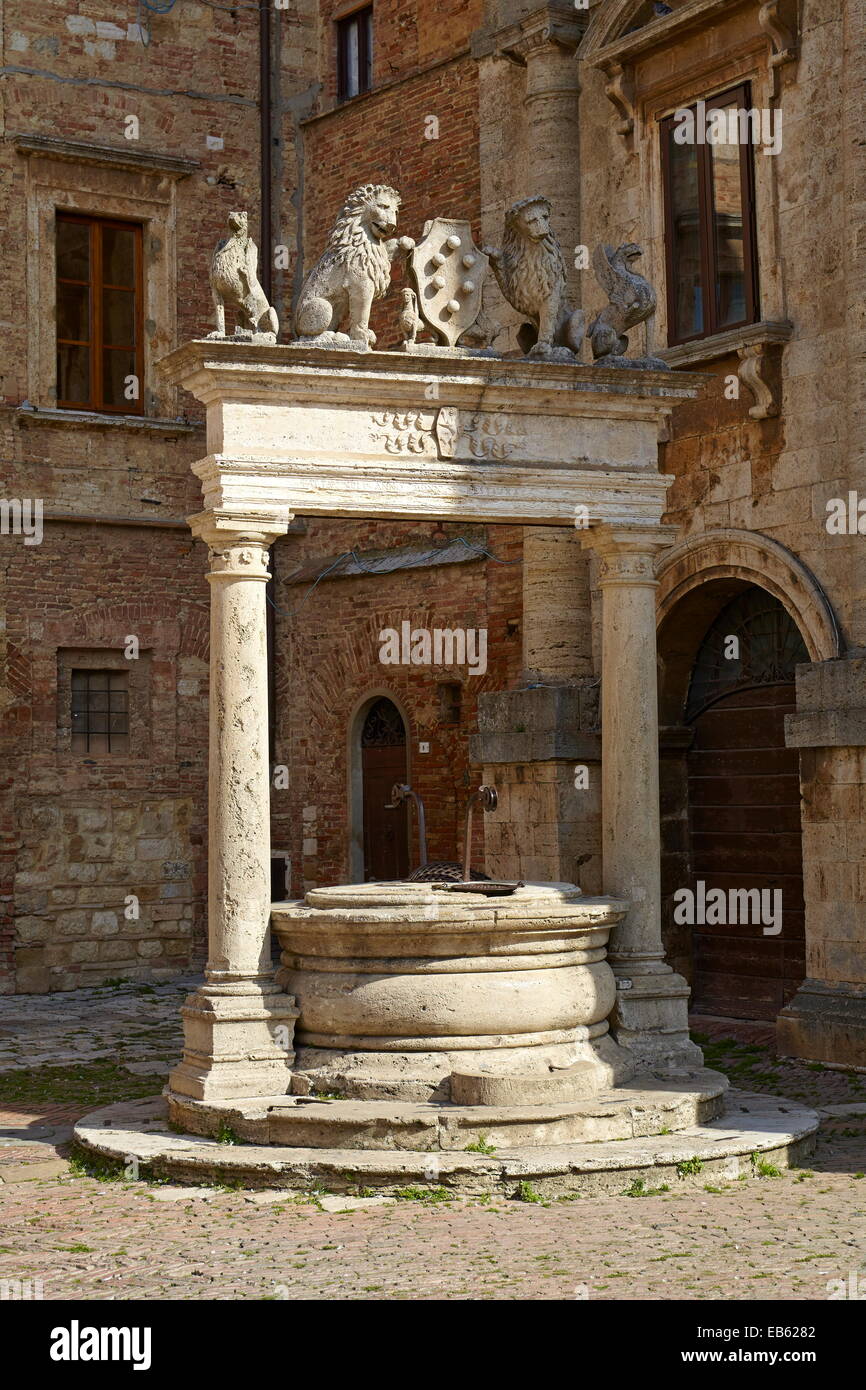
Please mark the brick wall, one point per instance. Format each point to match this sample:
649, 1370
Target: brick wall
327, 663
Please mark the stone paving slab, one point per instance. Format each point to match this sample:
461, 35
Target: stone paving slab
786, 1237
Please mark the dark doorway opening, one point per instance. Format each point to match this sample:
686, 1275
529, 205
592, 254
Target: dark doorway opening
744, 805
384, 762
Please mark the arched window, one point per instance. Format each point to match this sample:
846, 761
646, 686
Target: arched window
752, 642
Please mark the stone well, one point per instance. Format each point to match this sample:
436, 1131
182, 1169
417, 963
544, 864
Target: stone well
443, 1038
432, 1018
406, 991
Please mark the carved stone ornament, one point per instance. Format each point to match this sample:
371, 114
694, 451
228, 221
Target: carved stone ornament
493, 437
404, 432
631, 300
448, 270
530, 271
246, 559
753, 364
354, 270
235, 284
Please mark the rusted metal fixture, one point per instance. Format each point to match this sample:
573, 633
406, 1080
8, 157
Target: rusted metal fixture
401, 792
448, 874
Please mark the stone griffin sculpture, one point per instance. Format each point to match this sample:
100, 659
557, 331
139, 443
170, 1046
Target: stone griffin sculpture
354, 270
234, 282
631, 300
531, 273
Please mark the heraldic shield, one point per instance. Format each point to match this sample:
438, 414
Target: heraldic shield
449, 271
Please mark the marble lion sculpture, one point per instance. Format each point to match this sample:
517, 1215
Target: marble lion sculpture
531, 273
234, 282
354, 270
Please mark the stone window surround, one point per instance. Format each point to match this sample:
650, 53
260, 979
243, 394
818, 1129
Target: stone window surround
102, 181
757, 59
71, 659
706, 85
98, 636
613, 49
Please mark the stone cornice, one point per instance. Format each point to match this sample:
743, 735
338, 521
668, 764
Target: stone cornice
113, 156
270, 373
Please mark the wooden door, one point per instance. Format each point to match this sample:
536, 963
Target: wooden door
744, 808
383, 762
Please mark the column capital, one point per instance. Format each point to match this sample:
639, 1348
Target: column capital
550, 26
627, 550
239, 545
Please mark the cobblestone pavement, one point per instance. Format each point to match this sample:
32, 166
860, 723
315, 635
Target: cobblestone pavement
784, 1237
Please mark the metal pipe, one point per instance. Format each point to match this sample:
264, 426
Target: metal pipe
488, 798
265, 175
400, 792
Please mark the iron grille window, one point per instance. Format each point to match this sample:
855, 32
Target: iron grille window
100, 712
383, 726
767, 650
355, 54
100, 346
710, 245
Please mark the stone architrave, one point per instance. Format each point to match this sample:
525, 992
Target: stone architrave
449, 271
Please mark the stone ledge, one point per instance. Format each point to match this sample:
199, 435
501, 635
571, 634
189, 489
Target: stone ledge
643, 1107
559, 723
718, 345
831, 712
779, 1131
94, 419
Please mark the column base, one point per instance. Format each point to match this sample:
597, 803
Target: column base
235, 1045
650, 1019
824, 1023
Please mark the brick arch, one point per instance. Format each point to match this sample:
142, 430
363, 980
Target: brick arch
344, 675
103, 621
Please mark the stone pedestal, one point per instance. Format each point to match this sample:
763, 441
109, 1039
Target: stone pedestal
651, 1013
238, 1027
541, 749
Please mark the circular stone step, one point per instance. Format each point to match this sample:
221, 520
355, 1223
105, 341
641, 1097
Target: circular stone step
775, 1131
646, 1106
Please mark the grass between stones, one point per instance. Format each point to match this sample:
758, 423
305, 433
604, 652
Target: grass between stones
88, 1084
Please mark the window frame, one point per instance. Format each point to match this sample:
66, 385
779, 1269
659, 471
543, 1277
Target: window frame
365, 52
96, 285
111, 674
741, 97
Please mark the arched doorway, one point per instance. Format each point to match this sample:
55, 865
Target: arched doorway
744, 804
383, 762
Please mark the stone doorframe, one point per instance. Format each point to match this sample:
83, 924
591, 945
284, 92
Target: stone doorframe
380, 435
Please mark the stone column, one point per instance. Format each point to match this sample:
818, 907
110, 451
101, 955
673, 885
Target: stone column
651, 1013
238, 1027
547, 45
